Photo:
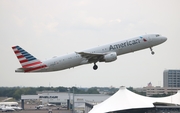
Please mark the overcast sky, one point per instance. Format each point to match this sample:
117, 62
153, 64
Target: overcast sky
47, 28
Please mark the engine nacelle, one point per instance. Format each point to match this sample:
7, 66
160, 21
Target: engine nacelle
110, 57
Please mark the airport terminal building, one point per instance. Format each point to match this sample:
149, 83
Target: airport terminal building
62, 99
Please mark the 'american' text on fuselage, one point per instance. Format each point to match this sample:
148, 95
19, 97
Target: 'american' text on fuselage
124, 44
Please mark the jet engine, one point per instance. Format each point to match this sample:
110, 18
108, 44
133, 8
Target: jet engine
110, 57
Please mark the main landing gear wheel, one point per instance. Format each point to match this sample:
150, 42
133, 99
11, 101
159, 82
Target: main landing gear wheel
95, 67
152, 52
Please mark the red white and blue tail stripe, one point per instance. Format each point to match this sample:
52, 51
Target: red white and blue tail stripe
29, 63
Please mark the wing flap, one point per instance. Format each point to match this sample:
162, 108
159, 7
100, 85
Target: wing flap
92, 57
86, 55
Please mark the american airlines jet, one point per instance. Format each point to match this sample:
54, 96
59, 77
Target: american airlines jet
104, 53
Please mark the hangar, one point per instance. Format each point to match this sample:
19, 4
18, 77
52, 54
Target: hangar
124, 101
62, 98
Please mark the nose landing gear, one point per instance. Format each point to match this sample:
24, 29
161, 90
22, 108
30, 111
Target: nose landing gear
152, 52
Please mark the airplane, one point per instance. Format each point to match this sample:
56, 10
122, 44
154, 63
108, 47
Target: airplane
6, 109
51, 105
105, 53
9, 103
43, 106
39, 106
10, 108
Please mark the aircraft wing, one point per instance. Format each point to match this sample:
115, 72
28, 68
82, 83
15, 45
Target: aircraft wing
92, 57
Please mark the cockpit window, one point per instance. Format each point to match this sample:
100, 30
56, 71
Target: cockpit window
157, 35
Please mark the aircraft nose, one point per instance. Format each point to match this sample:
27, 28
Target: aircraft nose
163, 39
159, 40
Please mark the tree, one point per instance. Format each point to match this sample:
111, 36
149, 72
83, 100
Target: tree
140, 93
92, 91
17, 94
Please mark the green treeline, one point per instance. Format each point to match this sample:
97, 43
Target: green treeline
16, 92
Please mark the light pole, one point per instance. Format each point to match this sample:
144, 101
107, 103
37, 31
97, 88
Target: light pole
69, 98
73, 99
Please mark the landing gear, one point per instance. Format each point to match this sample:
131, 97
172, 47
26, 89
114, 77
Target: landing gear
95, 67
152, 52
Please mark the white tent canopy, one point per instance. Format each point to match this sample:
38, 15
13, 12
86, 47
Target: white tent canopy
125, 99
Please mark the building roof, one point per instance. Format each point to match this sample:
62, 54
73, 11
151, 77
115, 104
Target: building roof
125, 99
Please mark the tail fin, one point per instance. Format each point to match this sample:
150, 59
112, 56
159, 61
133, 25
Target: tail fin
25, 58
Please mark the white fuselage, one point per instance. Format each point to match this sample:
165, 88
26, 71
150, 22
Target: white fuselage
120, 47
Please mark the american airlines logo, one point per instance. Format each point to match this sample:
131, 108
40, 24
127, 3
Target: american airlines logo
143, 39
124, 44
